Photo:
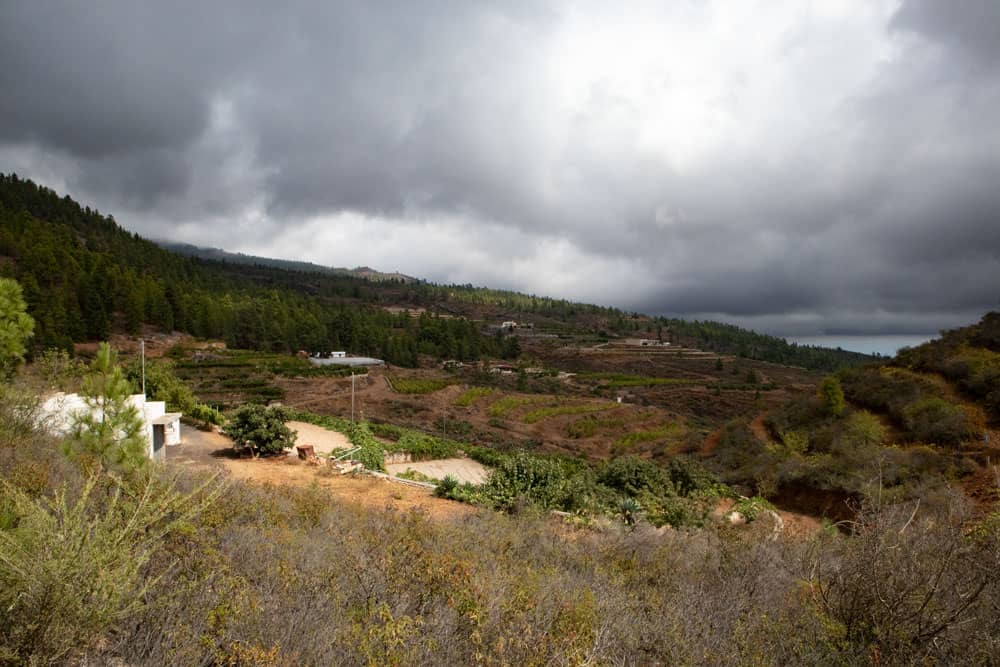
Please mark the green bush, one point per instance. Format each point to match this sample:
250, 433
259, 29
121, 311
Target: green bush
523, 476
831, 396
75, 564
690, 477
260, 429
446, 487
371, 452
631, 475
751, 508
938, 421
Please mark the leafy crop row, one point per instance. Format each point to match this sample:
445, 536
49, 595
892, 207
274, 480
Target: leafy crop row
557, 410
418, 385
472, 395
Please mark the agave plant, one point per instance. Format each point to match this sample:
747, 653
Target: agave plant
628, 509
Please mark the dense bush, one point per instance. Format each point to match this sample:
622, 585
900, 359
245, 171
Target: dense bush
631, 475
260, 429
527, 478
938, 421
371, 452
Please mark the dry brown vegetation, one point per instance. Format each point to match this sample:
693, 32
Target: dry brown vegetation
279, 575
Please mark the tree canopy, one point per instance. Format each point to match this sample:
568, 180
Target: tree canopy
16, 326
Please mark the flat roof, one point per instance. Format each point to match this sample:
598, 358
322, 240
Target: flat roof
168, 418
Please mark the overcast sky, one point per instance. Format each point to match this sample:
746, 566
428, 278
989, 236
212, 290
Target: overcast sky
797, 167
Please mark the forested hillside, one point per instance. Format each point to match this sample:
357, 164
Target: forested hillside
84, 277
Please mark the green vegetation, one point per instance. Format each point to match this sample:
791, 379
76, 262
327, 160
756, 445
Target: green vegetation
79, 562
730, 339
166, 567
473, 394
419, 385
16, 326
508, 404
969, 357
591, 424
752, 508
261, 430
417, 476
831, 396
84, 276
111, 432
635, 437
420, 446
162, 384
919, 402
624, 380
558, 410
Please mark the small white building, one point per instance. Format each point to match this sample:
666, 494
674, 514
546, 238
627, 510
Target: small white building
162, 428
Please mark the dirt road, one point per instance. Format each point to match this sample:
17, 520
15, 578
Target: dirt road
213, 450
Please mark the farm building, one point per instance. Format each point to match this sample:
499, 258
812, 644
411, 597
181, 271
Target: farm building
346, 361
162, 428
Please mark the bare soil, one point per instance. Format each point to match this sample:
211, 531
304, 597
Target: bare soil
208, 449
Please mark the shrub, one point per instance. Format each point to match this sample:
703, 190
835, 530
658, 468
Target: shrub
371, 452
690, 477
831, 396
446, 487
751, 508
525, 476
631, 475
936, 420
260, 429
76, 563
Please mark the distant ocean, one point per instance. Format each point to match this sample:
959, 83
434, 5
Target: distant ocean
887, 346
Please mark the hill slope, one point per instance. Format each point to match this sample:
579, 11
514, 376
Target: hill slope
85, 276
221, 255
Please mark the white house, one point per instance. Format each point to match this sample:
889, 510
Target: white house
162, 427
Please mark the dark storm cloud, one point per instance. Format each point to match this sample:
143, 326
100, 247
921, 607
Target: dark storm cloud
842, 180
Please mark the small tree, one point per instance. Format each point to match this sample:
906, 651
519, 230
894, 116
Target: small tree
16, 326
260, 429
111, 429
831, 396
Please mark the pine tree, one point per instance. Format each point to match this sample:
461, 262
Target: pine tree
111, 430
16, 326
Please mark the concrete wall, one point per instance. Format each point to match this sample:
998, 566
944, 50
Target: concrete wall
58, 412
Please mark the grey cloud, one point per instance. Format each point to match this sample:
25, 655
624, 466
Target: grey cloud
879, 214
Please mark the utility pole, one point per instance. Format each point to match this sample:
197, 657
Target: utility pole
352, 397
142, 347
